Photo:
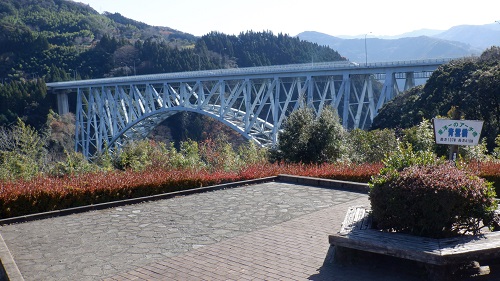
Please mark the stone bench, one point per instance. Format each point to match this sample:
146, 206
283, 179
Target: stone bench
442, 257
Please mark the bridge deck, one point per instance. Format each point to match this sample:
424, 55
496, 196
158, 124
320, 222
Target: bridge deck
338, 66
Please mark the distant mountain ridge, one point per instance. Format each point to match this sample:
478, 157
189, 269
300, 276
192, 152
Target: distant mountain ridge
478, 36
458, 41
415, 33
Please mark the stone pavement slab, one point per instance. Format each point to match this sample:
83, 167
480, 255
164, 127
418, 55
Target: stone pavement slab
292, 250
107, 243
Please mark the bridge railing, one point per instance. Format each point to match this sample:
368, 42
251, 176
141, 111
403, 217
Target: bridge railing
409, 62
240, 72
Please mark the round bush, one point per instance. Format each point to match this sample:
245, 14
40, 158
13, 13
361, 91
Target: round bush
433, 201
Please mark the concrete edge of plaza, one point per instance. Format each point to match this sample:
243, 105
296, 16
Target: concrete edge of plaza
10, 272
8, 267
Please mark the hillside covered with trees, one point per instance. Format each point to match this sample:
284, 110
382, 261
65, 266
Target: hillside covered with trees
469, 87
58, 40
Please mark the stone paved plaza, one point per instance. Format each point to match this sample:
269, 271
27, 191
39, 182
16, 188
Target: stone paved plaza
268, 231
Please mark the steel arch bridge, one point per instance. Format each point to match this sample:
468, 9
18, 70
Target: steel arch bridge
253, 101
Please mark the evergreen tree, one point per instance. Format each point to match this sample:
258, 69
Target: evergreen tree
305, 138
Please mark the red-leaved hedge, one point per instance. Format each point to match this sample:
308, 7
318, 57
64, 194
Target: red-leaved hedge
42, 194
491, 172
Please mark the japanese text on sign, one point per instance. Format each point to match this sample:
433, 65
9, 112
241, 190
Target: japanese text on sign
457, 132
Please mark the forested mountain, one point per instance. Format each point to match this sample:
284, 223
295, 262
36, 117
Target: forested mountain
264, 48
57, 40
469, 86
38, 34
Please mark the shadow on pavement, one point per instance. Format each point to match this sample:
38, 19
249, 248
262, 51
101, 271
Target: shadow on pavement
375, 267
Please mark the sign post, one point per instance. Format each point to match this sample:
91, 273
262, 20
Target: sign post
457, 132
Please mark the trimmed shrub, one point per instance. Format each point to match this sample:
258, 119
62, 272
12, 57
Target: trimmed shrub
433, 201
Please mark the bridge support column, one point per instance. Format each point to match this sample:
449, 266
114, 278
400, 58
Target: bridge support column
387, 90
62, 103
276, 111
310, 89
346, 83
410, 80
390, 80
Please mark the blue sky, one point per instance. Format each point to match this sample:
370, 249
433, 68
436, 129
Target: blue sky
347, 17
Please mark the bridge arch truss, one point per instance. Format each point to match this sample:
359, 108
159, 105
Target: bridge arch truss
253, 101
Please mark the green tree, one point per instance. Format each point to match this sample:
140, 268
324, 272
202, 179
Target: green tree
135, 156
305, 138
250, 153
60, 132
295, 136
327, 137
421, 137
371, 146
22, 152
73, 163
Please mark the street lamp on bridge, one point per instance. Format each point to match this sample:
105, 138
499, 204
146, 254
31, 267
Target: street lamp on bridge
366, 50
